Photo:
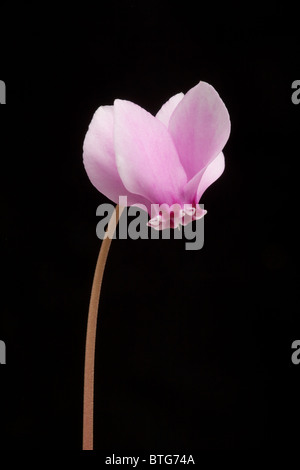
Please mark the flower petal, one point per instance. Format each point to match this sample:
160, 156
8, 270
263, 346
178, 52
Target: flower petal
167, 109
99, 158
200, 127
195, 188
147, 159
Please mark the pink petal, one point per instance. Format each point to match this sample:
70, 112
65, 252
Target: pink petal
199, 213
146, 157
167, 109
99, 158
195, 188
200, 127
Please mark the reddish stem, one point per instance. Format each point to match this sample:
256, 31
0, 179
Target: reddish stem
89, 366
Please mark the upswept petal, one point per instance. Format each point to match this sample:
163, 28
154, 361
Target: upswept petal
200, 127
195, 188
146, 156
99, 158
167, 109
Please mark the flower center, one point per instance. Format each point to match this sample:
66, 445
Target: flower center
165, 216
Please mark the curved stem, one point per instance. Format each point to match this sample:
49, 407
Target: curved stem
89, 366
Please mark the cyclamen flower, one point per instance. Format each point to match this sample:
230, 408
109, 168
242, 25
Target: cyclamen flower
163, 162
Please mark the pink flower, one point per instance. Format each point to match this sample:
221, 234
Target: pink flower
168, 160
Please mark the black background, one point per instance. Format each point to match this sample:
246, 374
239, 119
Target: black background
193, 347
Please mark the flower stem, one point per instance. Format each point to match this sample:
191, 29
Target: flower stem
89, 366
